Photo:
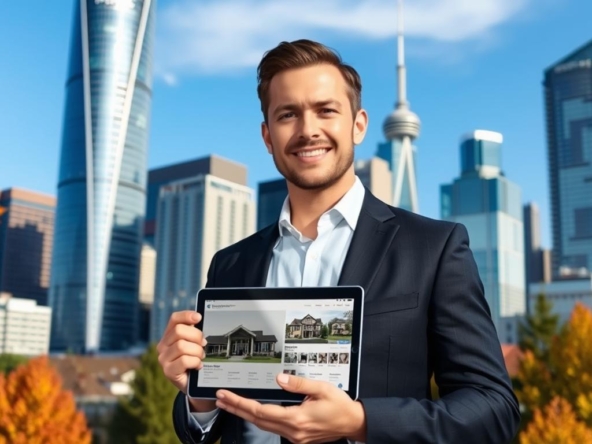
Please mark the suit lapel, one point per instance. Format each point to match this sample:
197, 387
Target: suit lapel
375, 231
258, 257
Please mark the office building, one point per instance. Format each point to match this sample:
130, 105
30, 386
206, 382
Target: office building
537, 260
147, 283
375, 175
489, 205
157, 177
563, 294
195, 218
24, 326
568, 106
401, 128
26, 241
102, 177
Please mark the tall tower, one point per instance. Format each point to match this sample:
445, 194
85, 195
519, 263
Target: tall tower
401, 128
102, 178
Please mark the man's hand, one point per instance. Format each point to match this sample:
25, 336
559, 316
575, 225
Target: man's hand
327, 413
181, 349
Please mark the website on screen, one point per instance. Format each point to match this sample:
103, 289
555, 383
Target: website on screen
250, 342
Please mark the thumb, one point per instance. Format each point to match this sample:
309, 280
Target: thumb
297, 384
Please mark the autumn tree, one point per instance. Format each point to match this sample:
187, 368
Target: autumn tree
34, 409
539, 328
566, 373
146, 416
556, 424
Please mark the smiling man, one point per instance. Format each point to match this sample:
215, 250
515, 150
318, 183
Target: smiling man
424, 313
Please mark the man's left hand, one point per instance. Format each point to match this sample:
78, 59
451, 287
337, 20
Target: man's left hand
326, 414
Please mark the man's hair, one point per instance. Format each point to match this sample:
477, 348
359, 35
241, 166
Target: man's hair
301, 54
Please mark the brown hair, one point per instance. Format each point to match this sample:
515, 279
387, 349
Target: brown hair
300, 54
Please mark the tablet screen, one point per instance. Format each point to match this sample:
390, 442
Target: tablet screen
251, 341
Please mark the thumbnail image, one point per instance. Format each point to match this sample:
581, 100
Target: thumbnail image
312, 358
290, 358
344, 358
303, 358
333, 358
290, 372
245, 336
318, 327
322, 358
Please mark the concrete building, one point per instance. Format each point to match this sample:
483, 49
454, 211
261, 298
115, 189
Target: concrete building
196, 217
564, 294
26, 241
147, 283
537, 260
24, 326
375, 175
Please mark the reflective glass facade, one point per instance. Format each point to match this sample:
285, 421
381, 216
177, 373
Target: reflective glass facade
271, 197
102, 178
402, 169
490, 207
568, 97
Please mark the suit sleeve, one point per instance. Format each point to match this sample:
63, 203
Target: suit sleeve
477, 403
186, 433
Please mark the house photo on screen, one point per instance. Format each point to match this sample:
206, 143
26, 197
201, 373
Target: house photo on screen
318, 326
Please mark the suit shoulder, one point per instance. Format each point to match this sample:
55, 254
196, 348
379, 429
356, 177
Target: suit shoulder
247, 243
423, 223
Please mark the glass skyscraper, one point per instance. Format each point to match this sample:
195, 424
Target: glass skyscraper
102, 177
489, 205
568, 103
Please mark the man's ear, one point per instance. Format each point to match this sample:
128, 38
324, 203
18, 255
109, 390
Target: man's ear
266, 137
360, 126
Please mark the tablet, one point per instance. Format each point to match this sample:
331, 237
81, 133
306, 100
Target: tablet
255, 333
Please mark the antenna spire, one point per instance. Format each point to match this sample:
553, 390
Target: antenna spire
401, 70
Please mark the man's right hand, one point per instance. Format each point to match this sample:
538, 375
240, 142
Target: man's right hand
182, 349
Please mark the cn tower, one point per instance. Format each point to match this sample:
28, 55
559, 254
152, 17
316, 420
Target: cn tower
401, 128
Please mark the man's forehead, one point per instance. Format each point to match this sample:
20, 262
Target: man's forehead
317, 83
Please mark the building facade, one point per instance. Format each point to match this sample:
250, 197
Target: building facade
26, 241
537, 260
568, 106
102, 177
490, 207
375, 175
195, 218
24, 326
564, 294
157, 177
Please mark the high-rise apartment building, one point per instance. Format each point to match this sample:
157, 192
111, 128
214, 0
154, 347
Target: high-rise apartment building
490, 207
568, 105
537, 261
102, 177
26, 240
401, 128
157, 177
270, 198
375, 175
196, 217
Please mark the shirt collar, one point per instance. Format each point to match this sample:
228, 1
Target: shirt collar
349, 207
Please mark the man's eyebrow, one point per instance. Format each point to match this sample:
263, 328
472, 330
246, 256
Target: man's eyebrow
317, 104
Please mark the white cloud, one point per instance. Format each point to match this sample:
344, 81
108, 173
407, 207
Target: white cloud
219, 36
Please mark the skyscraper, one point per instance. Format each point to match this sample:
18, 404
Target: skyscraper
568, 105
102, 178
196, 217
401, 128
26, 240
536, 259
489, 205
157, 177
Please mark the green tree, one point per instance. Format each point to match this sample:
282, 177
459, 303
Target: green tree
539, 328
324, 331
145, 417
8, 362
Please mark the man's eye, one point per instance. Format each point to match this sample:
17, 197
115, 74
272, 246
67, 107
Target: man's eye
327, 110
285, 116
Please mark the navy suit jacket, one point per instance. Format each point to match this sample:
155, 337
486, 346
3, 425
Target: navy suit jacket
424, 314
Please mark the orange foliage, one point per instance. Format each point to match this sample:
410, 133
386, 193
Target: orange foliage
34, 409
557, 424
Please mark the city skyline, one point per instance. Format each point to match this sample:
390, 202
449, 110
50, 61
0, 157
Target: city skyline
447, 90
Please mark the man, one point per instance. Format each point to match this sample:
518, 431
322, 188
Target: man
424, 313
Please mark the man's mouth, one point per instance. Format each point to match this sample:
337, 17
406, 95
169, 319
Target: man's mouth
312, 153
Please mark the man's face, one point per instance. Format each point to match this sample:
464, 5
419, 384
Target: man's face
311, 132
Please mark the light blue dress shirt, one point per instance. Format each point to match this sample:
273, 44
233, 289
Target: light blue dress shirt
298, 261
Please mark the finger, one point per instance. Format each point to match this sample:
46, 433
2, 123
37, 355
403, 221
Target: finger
297, 384
180, 366
180, 348
187, 317
185, 332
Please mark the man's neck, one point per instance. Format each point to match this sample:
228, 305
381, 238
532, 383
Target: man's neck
307, 206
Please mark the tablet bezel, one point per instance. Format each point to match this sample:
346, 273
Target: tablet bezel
283, 293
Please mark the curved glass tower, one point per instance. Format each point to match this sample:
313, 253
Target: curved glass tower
102, 177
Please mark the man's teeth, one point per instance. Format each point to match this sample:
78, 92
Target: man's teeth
312, 153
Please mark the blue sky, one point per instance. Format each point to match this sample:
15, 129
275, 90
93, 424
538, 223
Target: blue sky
471, 65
